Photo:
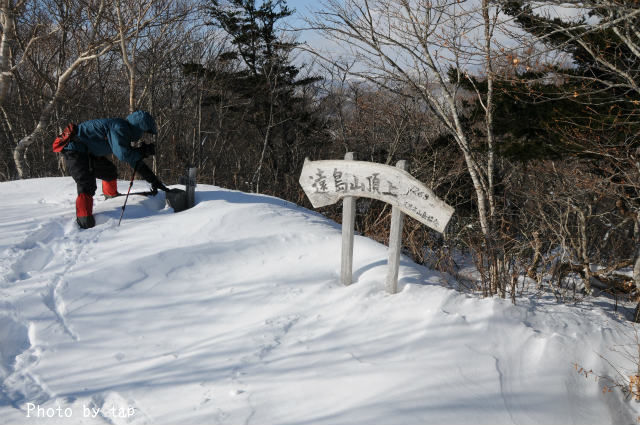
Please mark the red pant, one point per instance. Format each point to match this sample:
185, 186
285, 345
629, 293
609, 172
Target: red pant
85, 168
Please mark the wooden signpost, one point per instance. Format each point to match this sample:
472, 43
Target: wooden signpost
191, 186
189, 181
326, 182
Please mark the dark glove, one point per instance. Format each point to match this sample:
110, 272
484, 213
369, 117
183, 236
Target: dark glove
145, 172
147, 150
158, 185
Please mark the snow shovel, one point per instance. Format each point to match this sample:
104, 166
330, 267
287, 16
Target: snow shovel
177, 199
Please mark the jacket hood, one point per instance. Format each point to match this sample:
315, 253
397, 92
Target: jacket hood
141, 122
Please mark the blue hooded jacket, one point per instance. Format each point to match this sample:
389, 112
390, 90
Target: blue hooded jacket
104, 136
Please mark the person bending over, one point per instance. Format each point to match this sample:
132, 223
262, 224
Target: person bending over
85, 147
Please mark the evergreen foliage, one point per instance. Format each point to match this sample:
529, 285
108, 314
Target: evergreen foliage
558, 111
256, 80
267, 69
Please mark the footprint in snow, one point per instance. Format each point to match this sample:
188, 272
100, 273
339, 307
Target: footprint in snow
31, 255
117, 410
18, 385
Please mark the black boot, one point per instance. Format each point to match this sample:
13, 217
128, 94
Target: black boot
86, 222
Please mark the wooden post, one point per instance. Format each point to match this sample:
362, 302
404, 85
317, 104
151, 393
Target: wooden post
348, 225
191, 187
395, 243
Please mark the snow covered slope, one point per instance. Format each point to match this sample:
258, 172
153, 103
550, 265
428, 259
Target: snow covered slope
232, 313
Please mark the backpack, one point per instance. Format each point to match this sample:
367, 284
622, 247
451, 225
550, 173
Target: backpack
65, 137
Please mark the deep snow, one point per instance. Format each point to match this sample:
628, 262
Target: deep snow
232, 313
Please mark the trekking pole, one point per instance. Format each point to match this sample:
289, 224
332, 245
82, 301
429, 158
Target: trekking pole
128, 191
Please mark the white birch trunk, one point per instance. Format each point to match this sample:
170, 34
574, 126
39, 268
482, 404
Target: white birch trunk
7, 20
488, 35
45, 116
636, 265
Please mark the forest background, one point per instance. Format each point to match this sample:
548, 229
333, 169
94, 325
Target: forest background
522, 115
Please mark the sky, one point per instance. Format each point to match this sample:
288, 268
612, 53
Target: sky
503, 38
304, 9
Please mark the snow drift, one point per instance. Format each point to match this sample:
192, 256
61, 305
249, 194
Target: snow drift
231, 313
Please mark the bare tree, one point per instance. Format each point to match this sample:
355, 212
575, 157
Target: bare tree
429, 47
136, 33
95, 30
7, 21
604, 76
95, 46
8, 64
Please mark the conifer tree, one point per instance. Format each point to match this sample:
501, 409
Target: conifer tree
595, 97
599, 90
266, 79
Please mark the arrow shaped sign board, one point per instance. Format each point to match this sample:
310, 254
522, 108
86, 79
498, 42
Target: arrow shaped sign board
326, 182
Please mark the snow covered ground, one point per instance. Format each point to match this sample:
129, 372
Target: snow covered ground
232, 313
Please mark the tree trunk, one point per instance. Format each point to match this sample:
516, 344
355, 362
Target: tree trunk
584, 252
488, 35
7, 20
128, 62
636, 264
21, 149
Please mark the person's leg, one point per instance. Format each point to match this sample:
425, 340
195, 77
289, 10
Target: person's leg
107, 171
79, 166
